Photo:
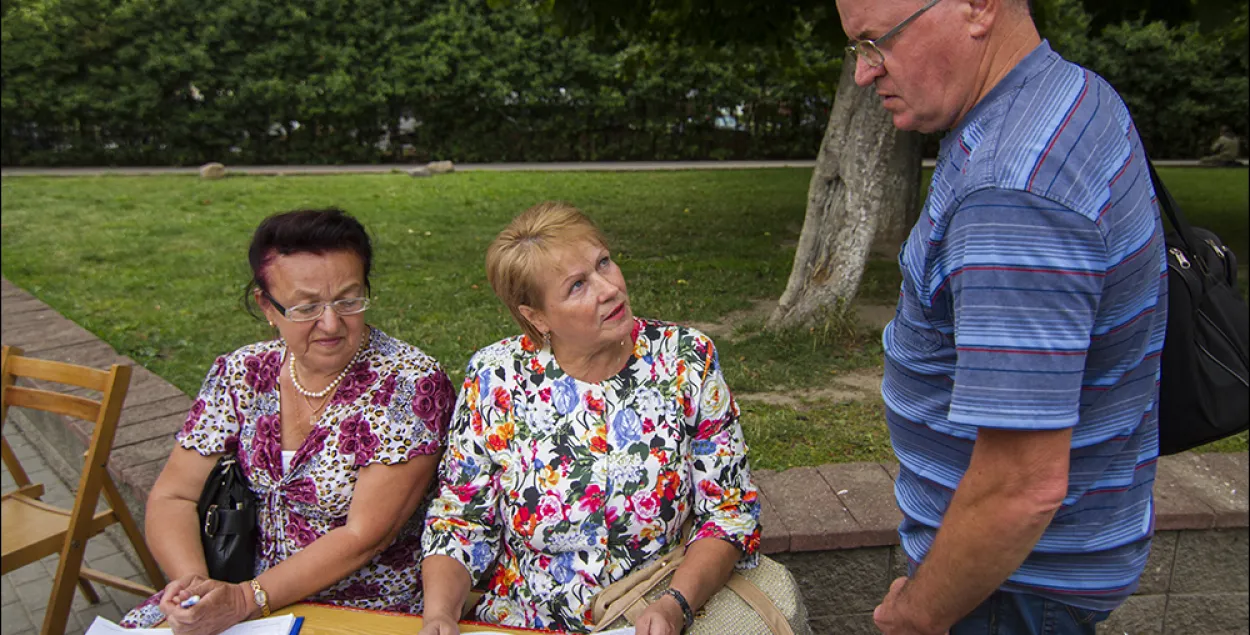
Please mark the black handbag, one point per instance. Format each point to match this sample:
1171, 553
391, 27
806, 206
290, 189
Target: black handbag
1204, 394
228, 523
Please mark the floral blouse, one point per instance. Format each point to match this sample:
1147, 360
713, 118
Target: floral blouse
569, 486
394, 404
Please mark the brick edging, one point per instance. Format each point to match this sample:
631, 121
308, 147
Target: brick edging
828, 507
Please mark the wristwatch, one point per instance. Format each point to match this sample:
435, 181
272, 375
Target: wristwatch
260, 597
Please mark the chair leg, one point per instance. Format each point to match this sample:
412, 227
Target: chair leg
11, 462
131, 528
88, 591
57, 614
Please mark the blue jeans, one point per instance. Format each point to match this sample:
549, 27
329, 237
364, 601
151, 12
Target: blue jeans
1022, 614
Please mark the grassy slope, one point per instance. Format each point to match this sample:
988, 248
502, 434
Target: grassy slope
156, 265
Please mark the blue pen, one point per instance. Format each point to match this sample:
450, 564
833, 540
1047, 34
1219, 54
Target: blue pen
190, 602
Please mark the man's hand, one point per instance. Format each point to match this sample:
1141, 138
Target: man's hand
892, 617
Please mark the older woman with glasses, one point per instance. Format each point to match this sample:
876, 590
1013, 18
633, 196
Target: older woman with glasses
338, 427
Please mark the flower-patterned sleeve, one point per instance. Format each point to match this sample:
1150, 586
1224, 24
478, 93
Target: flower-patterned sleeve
212, 425
462, 522
726, 503
413, 409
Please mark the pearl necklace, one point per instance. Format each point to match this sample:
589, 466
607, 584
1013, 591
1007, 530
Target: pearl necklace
334, 384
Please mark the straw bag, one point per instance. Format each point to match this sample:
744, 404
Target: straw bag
764, 600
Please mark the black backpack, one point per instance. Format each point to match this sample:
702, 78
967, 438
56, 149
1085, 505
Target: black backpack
1204, 393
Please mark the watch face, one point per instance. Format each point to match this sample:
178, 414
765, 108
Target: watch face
261, 597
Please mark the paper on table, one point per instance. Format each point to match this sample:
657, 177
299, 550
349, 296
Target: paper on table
628, 630
280, 625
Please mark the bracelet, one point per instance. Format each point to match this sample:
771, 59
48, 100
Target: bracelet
686, 613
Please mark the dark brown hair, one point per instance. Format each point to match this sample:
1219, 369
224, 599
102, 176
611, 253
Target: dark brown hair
313, 231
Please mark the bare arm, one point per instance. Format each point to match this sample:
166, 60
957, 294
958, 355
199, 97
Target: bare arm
705, 569
462, 516
703, 572
446, 585
385, 497
1015, 483
172, 522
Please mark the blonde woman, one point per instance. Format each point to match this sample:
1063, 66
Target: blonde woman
578, 449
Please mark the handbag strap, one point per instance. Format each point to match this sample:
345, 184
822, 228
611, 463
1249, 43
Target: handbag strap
1172, 210
760, 603
628, 596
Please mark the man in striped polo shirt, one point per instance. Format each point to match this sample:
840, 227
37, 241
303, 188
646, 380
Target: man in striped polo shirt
1022, 366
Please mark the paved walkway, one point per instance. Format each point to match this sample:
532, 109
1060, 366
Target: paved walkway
26, 590
588, 166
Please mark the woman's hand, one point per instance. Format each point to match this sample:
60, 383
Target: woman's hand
662, 617
221, 606
176, 591
435, 625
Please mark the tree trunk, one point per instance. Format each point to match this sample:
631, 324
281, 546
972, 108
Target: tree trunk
865, 183
899, 215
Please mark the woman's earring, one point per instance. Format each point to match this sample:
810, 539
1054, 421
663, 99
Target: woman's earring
270, 322
547, 339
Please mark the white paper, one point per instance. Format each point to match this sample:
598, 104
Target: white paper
280, 625
102, 626
628, 630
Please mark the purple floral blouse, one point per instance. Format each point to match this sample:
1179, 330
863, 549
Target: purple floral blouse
394, 404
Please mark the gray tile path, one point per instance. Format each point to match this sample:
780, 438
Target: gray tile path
26, 590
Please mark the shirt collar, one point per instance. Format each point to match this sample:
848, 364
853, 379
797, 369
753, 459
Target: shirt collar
1035, 62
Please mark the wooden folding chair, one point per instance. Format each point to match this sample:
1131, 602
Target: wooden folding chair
33, 529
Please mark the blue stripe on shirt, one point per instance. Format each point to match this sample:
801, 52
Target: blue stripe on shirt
1034, 297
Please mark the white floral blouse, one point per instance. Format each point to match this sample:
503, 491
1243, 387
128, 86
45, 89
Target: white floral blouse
393, 404
568, 486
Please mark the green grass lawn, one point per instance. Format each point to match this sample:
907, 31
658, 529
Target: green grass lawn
156, 267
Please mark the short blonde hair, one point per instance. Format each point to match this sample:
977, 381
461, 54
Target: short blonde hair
524, 247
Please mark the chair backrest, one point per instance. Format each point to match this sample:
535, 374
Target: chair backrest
102, 412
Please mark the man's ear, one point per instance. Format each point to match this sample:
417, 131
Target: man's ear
534, 317
982, 14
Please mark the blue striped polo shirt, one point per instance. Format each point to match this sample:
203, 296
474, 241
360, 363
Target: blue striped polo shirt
1034, 298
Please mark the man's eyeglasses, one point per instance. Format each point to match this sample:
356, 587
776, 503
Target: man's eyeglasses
870, 51
310, 312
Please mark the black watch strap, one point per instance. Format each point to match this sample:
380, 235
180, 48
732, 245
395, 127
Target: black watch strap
686, 613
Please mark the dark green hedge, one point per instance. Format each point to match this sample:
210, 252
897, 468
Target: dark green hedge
172, 82
177, 82
1180, 83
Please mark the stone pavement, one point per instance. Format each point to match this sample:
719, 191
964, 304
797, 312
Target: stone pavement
25, 591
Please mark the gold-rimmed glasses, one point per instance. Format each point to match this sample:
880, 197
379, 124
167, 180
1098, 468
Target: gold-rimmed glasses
870, 50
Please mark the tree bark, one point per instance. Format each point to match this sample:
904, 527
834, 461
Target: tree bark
864, 186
